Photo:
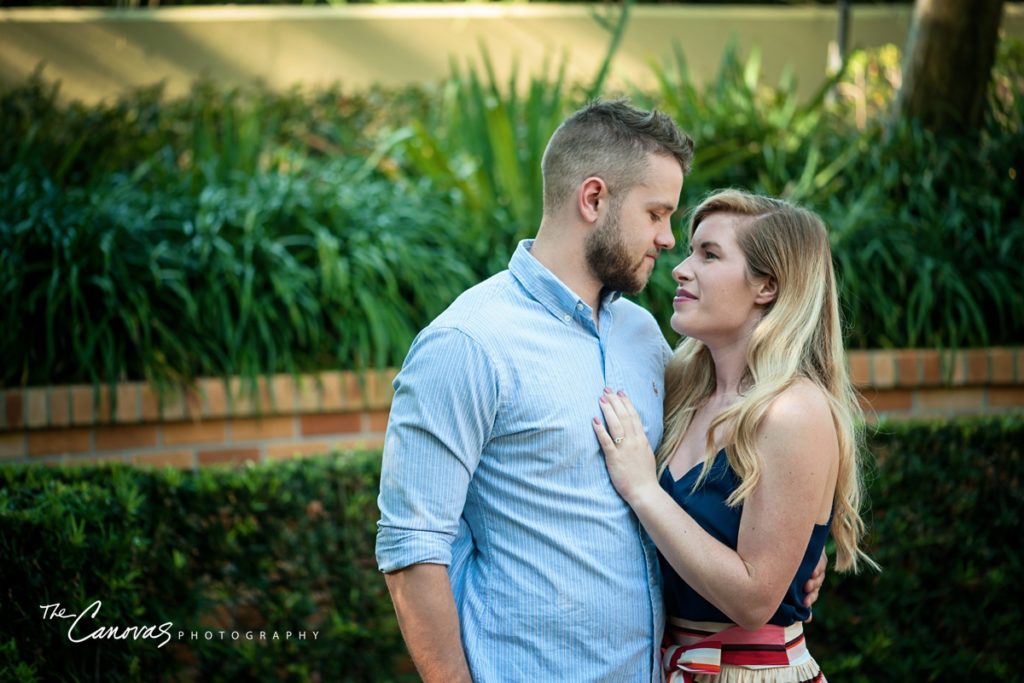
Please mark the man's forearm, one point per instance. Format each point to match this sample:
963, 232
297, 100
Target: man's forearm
423, 600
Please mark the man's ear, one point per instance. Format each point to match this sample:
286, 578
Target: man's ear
592, 198
767, 291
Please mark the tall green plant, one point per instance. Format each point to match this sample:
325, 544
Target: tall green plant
484, 144
926, 231
747, 133
928, 246
322, 267
486, 139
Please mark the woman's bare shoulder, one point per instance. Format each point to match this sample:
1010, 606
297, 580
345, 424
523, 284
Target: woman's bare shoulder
800, 414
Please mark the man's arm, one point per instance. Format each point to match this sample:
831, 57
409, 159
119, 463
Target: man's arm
446, 399
430, 624
813, 586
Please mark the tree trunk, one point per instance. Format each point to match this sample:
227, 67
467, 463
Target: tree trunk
947, 63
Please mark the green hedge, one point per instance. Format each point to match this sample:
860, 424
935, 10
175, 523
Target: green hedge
281, 547
289, 546
947, 502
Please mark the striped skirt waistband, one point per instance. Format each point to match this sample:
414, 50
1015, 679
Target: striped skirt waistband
700, 647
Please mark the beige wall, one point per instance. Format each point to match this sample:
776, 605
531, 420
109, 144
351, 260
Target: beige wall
99, 53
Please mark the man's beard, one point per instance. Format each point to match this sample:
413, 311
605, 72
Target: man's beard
608, 257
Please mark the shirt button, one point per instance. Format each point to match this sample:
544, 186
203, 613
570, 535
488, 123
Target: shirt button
567, 317
579, 307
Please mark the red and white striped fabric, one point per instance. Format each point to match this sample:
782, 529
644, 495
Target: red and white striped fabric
695, 651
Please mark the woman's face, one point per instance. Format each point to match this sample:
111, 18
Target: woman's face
716, 301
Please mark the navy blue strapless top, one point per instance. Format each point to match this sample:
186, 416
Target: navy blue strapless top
707, 506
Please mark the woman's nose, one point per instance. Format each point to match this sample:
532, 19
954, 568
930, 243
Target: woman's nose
681, 273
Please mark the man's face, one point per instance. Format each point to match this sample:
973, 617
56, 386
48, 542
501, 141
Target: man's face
622, 248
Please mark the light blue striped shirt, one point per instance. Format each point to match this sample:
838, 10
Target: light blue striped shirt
492, 468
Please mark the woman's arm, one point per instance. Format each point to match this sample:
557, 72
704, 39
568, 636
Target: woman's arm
799, 450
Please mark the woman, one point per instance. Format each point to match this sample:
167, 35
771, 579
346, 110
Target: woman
759, 458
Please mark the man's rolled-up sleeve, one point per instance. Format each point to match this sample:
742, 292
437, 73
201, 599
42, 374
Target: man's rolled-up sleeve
442, 414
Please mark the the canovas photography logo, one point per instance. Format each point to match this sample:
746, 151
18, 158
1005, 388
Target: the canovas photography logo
87, 625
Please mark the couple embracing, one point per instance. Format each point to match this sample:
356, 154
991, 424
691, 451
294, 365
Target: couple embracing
566, 498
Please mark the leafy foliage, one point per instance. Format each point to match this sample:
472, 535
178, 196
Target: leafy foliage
290, 546
233, 275
242, 232
946, 506
927, 233
287, 547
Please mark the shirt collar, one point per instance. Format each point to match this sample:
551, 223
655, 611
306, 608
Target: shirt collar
551, 292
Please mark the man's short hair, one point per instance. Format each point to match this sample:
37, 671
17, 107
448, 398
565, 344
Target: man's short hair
611, 140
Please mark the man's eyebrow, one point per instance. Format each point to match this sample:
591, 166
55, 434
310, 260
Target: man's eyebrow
663, 206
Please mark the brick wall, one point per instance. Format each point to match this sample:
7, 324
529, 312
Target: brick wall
217, 422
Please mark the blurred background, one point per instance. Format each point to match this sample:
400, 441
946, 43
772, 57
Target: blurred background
222, 225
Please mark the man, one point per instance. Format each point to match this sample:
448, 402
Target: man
507, 552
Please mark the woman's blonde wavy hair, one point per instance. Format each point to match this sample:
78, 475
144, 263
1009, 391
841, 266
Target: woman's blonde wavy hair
798, 336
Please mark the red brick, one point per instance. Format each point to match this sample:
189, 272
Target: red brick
216, 398
333, 391
258, 429
59, 441
308, 390
977, 366
379, 420
954, 365
12, 445
248, 398
60, 407
127, 402
1006, 398
1001, 362
103, 407
83, 405
860, 368
883, 369
14, 410
331, 423
36, 405
125, 436
298, 448
227, 456
193, 403
379, 391
890, 400
959, 400
353, 390
173, 406
149, 399
908, 368
184, 460
283, 400
931, 368
208, 431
